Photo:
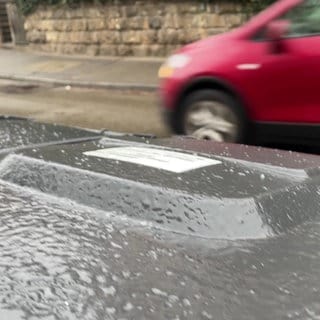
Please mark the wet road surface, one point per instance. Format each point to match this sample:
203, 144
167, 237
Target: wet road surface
120, 111
96, 109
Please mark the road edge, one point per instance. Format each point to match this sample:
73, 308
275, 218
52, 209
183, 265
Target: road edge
81, 84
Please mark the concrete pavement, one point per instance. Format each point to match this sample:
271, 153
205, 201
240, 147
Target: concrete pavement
95, 72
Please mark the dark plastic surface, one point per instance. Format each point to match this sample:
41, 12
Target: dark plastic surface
91, 238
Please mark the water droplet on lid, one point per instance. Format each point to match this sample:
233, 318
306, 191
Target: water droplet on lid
206, 315
186, 303
158, 292
128, 306
111, 310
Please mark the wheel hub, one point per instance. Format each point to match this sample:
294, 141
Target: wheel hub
213, 121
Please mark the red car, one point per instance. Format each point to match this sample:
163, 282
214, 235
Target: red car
260, 81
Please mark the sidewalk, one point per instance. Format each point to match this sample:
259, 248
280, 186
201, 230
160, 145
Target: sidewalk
95, 72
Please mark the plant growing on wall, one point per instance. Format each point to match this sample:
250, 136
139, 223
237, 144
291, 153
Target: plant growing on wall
27, 6
257, 5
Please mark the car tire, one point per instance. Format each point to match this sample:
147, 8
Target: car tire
211, 114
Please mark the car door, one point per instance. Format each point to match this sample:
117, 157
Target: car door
286, 82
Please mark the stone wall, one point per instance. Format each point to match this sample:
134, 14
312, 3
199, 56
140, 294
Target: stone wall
135, 28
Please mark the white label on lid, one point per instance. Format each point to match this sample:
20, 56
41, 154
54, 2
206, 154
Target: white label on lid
172, 161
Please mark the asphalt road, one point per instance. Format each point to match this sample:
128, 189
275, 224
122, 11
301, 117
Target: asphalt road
121, 111
88, 108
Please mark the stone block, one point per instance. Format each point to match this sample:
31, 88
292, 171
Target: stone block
213, 7
113, 11
170, 49
146, 23
117, 23
78, 49
214, 31
60, 13
168, 36
93, 12
83, 37
192, 35
75, 13
30, 24
92, 50
124, 50
228, 7
204, 21
233, 20
96, 24
52, 36
149, 37
172, 21
155, 22
192, 7
157, 50
35, 36
109, 37
95, 37
130, 11
56, 47
64, 37
36, 46
74, 25
140, 50
44, 47
203, 33
172, 8
108, 50
77, 24
215, 20
48, 13
131, 37
63, 25
197, 21
148, 9
46, 25
136, 23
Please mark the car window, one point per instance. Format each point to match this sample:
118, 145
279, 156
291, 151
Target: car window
304, 19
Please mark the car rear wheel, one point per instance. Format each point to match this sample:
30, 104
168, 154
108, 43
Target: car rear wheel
212, 115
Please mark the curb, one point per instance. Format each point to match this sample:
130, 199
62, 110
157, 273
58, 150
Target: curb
82, 84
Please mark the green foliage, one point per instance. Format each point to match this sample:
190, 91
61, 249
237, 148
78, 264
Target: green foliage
257, 5
28, 6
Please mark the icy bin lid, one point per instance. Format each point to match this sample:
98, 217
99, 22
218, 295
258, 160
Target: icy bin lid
20, 133
178, 189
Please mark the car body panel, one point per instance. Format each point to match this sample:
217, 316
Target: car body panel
285, 85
